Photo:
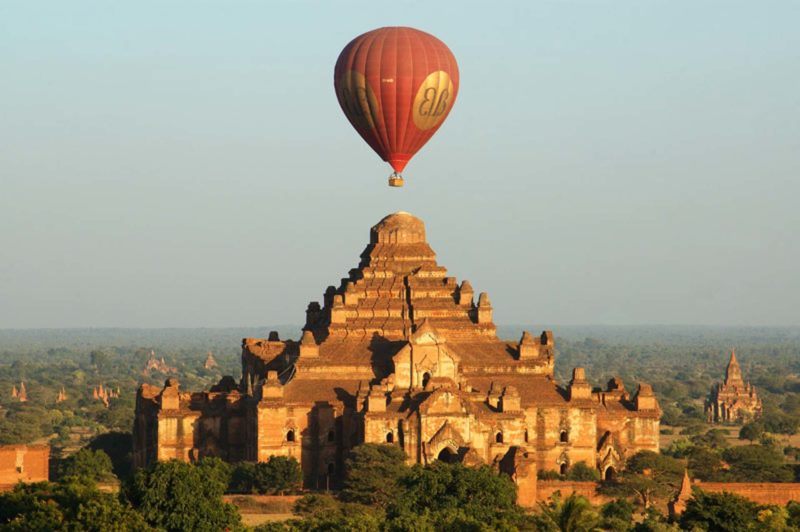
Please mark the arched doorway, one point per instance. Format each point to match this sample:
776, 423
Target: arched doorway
609, 473
447, 456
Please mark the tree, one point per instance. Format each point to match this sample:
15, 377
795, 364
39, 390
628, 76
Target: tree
104, 513
87, 464
723, 512
751, 431
713, 439
372, 474
66, 506
654, 521
757, 463
244, 478
315, 504
479, 493
793, 511
618, 509
670, 415
780, 423
324, 512
279, 475
119, 447
583, 472
24, 423
216, 470
772, 517
28, 507
648, 475
705, 464
177, 496
573, 514
679, 448
99, 360
285, 474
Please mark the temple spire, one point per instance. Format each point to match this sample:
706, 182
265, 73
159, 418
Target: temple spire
686, 484
678, 503
733, 373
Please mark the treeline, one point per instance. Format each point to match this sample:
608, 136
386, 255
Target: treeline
77, 374
682, 368
380, 493
77, 361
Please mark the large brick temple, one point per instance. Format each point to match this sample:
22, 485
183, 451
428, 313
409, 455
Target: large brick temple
732, 400
403, 354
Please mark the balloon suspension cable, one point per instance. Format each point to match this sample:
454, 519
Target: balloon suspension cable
396, 180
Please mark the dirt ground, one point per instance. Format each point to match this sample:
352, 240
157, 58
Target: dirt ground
260, 519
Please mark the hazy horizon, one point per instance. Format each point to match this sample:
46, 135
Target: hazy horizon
172, 164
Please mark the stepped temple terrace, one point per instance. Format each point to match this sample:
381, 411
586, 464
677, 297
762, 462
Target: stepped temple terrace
400, 353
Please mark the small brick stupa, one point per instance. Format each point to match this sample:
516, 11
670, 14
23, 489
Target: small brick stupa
400, 353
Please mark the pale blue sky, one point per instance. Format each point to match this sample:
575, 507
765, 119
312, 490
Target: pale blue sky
185, 163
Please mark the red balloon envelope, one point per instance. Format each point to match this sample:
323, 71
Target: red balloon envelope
396, 86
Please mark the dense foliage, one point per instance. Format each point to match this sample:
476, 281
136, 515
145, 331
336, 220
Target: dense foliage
72, 503
394, 496
477, 494
725, 512
87, 463
373, 473
278, 476
647, 476
78, 361
574, 513
176, 496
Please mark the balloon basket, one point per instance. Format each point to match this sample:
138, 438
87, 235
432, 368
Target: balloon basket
396, 180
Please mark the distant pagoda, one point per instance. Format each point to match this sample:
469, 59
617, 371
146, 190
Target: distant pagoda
732, 400
155, 365
103, 394
210, 362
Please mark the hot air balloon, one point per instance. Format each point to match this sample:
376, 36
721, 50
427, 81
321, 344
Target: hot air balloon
396, 86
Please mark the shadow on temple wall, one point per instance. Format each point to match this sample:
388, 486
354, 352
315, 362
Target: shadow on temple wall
382, 353
119, 447
563, 392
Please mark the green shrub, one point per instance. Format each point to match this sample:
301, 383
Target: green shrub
278, 476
